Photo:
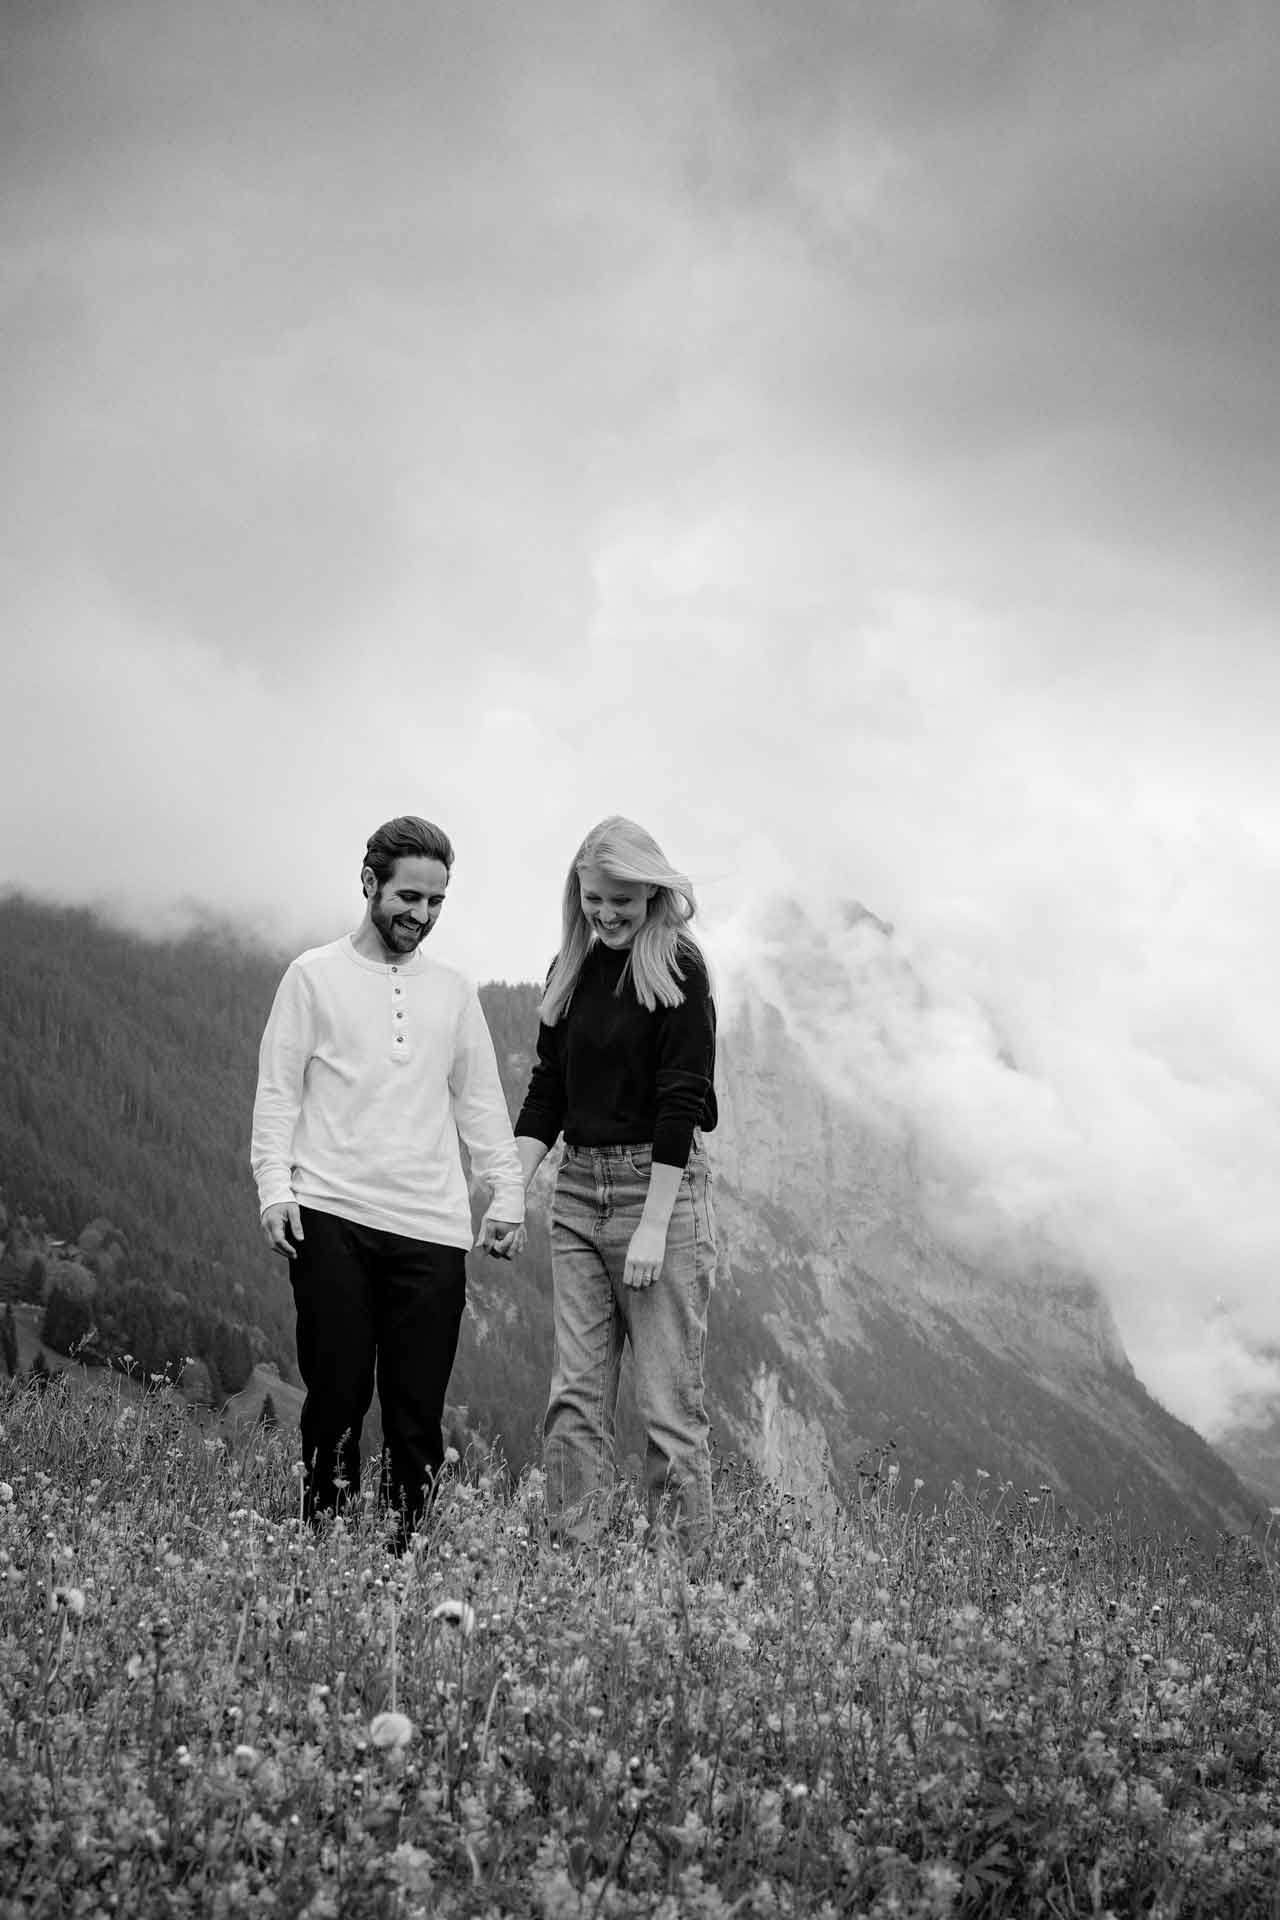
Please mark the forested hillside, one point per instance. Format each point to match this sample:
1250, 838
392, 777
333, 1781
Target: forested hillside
127, 1072
126, 1084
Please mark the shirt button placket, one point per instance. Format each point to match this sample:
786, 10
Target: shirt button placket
399, 1045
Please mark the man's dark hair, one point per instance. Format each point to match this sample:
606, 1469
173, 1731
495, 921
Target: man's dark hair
406, 835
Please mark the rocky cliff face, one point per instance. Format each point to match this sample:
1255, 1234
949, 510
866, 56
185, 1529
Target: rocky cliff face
846, 1330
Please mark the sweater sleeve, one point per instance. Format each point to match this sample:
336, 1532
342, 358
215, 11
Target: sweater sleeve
287, 1045
480, 1112
542, 1115
686, 1066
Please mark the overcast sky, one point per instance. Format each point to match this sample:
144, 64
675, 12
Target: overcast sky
843, 436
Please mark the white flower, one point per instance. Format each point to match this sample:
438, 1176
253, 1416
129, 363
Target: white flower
71, 1598
6, 1494
245, 1757
458, 1614
391, 1731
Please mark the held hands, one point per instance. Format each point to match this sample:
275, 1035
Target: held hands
645, 1255
282, 1227
501, 1239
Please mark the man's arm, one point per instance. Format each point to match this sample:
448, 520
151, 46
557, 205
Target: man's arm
484, 1126
282, 1064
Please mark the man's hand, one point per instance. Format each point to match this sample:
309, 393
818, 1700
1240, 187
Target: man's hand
275, 1219
645, 1256
502, 1239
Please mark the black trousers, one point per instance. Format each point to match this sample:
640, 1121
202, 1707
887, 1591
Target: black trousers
374, 1305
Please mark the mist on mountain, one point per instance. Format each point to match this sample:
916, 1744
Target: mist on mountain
854, 1323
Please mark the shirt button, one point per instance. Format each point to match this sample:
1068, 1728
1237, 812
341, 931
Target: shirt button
399, 1016
399, 1039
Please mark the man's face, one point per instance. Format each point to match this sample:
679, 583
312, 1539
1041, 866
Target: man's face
407, 904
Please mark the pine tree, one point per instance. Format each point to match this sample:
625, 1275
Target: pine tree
268, 1419
67, 1319
9, 1342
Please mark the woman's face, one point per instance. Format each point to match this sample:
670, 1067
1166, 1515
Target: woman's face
615, 909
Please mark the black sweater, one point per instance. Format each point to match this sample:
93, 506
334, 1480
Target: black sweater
611, 1074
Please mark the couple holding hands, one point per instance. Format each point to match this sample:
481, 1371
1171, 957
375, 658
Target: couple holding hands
375, 1062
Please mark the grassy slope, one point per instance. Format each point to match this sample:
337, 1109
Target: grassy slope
973, 1711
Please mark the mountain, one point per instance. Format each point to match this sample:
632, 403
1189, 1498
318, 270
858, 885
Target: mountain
851, 1330
846, 1332
1252, 1448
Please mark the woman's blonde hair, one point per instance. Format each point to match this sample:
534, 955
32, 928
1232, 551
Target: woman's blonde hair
626, 852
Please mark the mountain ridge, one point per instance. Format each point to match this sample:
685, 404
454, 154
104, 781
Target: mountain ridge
843, 1330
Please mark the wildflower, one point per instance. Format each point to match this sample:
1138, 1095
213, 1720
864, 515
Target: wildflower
71, 1598
391, 1731
458, 1614
451, 1456
6, 1494
942, 1883
245, 1757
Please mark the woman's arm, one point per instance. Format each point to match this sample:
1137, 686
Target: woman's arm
686, 1065
686, 1071
532, 1154
541, 1114
648, 1248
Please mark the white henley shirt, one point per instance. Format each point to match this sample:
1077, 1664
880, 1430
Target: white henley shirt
369, 1074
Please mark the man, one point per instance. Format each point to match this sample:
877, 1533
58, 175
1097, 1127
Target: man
376, 1059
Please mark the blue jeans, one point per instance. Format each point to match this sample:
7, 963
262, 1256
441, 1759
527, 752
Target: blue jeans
600, 1195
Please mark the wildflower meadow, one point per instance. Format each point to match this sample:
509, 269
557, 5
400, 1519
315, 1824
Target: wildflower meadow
978, 1710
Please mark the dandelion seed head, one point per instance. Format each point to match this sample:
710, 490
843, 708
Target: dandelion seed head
457, 1613
71, 1598
392, 1732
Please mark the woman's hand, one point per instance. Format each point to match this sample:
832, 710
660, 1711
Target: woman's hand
645, 1255
503, 1239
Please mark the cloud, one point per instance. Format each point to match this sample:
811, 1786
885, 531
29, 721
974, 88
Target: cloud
1097, 1152
843, 439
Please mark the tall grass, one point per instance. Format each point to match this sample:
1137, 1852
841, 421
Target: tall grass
982, 1710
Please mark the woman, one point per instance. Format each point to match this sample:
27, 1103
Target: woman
625, 1070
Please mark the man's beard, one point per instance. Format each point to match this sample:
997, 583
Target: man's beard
400, 934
